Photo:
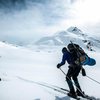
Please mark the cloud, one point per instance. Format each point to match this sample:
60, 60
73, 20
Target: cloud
37, 18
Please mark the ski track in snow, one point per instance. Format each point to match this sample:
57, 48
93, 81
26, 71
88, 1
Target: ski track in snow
47, 90
45, 86
55, 88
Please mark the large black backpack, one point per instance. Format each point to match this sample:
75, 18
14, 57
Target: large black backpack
78, 54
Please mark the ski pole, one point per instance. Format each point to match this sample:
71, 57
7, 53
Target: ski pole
93, 79
62, 71
72, 82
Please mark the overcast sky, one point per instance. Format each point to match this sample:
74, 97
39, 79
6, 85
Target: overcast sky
45, 17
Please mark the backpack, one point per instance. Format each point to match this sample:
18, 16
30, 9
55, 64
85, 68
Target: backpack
78, 54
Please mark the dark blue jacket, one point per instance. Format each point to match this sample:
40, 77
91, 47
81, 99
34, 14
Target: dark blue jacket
66, 57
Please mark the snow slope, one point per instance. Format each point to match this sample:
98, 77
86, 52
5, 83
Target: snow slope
22, 69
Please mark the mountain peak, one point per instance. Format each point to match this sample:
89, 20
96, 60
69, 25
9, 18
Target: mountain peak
71, 34
75, 30
62, 37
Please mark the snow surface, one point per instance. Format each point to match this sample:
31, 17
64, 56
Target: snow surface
21, 70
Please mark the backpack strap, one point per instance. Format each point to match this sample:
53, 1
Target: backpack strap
77, 52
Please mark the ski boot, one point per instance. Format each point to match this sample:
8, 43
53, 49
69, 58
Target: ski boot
72, 94
82, 94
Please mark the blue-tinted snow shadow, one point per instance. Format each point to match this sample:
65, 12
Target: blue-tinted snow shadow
62, 98
59, 98
36, 99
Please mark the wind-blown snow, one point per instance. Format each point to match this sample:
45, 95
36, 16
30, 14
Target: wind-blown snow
39, 65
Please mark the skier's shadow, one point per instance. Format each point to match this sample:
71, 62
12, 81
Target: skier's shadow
62, 98
59, 98
36, 99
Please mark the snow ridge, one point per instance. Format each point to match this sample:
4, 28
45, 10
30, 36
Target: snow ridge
71, 34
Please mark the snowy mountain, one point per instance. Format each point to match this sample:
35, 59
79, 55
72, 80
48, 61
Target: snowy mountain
60, 38
71, 34
28, 75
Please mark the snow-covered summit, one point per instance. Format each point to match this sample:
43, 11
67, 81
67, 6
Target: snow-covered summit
59, 38
71, 34
74, 30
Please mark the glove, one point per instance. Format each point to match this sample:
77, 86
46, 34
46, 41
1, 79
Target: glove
83, 72
58, 65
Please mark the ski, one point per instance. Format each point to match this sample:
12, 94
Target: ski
79, 97
90, 97
58, 89
53, 87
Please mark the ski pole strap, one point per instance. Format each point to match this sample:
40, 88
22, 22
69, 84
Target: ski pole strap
77, 51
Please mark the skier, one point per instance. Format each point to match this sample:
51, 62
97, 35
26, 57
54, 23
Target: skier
73, 73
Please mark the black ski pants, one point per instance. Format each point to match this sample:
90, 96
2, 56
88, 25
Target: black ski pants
72, 74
